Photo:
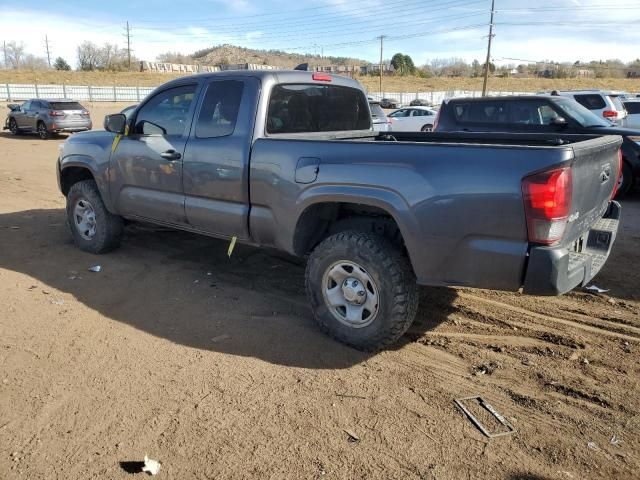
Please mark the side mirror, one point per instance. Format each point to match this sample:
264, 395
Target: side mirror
14, 107
115, 123
559, 122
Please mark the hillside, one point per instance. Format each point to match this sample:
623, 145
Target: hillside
229, 54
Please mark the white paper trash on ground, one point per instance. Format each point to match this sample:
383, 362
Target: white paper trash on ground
152, 467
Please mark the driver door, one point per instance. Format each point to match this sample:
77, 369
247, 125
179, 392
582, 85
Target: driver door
147, 163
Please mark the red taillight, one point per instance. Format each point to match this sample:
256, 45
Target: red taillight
321, 77
56, 113
609, 114
617, 184
547, 202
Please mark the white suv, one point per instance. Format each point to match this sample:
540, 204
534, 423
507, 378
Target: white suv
603, 103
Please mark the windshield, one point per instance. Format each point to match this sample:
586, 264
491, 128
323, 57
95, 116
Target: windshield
583, 116
65, 106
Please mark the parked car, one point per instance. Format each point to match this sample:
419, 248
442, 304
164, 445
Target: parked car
539, 114
413, 119
289, 160
606, 104
418, 102
389, 103
379, 119
45, 117
633, 113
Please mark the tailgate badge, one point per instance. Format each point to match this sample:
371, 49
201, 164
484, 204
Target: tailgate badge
605, 175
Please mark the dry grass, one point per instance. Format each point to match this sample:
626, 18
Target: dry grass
390, 84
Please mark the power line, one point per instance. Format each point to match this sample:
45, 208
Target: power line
486, 63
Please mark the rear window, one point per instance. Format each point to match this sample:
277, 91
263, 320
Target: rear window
591, 101
376, 110
632, 107
616, 102
481, 112
65, 106
305, 108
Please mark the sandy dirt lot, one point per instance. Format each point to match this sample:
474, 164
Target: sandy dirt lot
215, 367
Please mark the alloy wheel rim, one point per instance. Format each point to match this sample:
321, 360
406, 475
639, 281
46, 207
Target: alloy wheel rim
350, 294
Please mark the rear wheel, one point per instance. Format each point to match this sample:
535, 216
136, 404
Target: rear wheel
362, 290
427, 128
625, 182
94, 228
13, 127
43, 133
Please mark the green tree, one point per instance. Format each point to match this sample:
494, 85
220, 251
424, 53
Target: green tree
410, 68
398, 62
61, 64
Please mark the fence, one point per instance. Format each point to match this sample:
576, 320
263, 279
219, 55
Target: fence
11, 91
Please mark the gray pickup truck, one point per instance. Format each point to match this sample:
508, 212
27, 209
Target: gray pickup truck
289, 160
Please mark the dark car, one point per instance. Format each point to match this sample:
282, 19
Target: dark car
389, 103
45, 117
539, 114
418, 102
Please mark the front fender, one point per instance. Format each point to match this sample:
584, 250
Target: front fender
99, 171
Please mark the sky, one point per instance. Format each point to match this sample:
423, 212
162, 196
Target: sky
560, 30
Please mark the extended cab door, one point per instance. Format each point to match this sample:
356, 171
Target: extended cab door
147, 163
216, 161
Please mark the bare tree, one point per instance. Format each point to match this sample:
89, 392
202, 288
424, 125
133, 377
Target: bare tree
174, 57
31, 62
15, 54
89, 56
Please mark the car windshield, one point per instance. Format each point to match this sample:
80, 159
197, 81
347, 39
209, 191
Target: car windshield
580, 114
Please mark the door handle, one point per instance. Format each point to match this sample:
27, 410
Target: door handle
171, 155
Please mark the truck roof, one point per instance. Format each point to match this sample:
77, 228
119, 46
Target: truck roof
280, 76
505, 97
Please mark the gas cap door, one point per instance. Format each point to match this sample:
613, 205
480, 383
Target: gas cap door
307, 169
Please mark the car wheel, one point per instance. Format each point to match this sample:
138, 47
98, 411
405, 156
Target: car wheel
13, 127
625, 182
427, 128
43, 133
362, 290
94, 228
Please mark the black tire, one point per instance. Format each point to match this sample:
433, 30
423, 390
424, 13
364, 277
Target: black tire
427, 128
13, 127
43, 133
627, 181
395, 283
108, 227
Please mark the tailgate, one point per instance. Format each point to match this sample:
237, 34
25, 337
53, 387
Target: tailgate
594, 176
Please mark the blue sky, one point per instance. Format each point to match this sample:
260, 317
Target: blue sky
564, 30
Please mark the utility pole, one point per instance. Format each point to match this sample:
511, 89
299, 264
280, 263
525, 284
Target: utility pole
46, 43
381, 37
486, 64
128, 46
4, 45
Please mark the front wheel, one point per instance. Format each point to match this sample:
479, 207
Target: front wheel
362, 290
94, 228
427, 128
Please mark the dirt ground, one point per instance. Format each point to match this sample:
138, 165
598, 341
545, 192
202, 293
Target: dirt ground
215, 367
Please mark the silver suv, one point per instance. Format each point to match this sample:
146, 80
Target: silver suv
45, 117
604, 103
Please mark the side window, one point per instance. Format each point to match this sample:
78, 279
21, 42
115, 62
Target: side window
219, 111
35, 105
547, 114
528, 112
590, 101
632, 107
26, 106
167, 113
493, 111
400, 113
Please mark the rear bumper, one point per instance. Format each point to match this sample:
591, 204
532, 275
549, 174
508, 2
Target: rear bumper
71, 128
557, 270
